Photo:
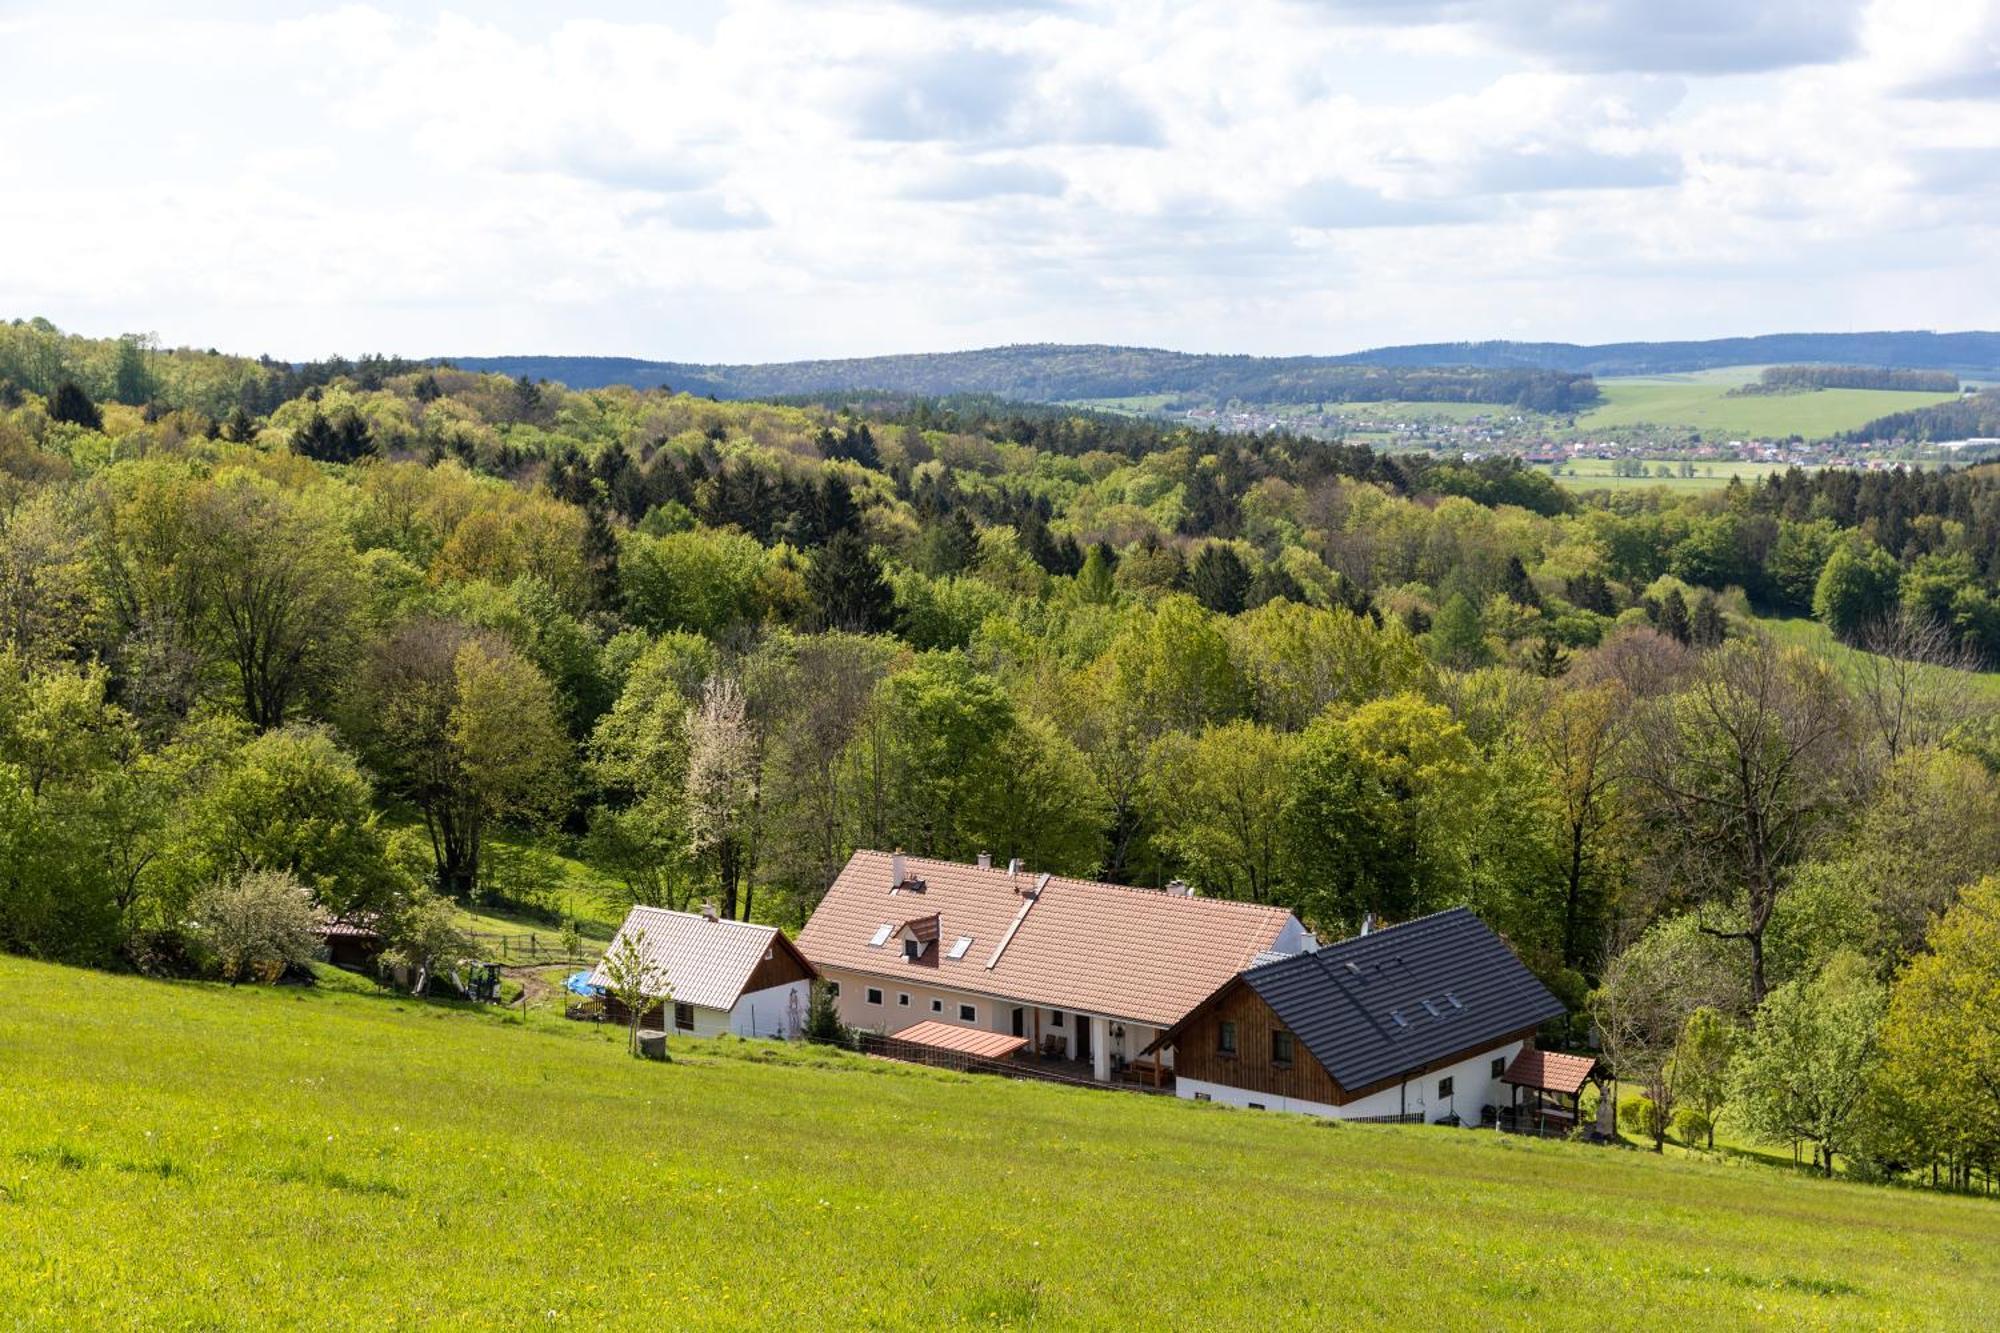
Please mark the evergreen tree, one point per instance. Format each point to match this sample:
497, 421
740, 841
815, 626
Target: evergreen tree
1271, 583
131, 380
1706, 628
951, 546
71, 404
1219, 580
600, 557
1095, 579
1518, 586
1457, 639
427, 390
239, 427
1673, 617
1547, 659
834, 509
846, 587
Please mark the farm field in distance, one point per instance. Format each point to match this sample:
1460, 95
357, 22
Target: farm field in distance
1595, 474
193, 1155
1702, 401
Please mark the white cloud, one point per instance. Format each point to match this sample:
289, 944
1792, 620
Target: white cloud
748, 179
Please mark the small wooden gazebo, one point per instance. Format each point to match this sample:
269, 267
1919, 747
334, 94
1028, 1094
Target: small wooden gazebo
1554, 1083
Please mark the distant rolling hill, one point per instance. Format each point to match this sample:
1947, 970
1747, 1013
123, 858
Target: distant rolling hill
1545, 376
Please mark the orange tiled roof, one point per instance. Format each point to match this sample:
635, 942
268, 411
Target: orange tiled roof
1135, 954
970, 1041
1550, 1071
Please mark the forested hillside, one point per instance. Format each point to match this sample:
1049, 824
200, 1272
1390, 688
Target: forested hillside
1052, 374
269, 628
1543, 377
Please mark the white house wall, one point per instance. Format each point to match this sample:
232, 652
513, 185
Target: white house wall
1474, 1085
991, 1013
775, 1011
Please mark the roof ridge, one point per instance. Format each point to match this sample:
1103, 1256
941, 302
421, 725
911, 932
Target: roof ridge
697, 916
1270, 908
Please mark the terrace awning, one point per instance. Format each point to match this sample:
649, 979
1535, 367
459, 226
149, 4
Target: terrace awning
1550, 1071
965, 1041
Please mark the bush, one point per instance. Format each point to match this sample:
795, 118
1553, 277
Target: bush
1640, 1116
823, 1023
254, 927
1690, 1126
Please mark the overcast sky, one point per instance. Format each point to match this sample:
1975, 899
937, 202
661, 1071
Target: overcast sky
767, 180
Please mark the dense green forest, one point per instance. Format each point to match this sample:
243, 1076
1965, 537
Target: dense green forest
1975, 416
1804, 379
1051, 373
1544, 377
285, 634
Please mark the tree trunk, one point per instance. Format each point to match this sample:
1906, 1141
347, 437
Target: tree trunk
1574, 893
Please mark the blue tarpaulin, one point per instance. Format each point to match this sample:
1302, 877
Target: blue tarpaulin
579, 983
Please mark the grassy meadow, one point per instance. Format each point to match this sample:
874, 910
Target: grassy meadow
1703, 402
1811, 634
188, 1155
1594, 474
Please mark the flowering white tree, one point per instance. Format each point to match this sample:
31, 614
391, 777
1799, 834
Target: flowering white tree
721, 783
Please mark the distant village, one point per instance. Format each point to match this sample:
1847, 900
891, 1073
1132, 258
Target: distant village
1657, 451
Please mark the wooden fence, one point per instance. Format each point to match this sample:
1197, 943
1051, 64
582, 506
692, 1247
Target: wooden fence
527, 947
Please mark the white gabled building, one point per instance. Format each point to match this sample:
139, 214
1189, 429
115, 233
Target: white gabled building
723, 976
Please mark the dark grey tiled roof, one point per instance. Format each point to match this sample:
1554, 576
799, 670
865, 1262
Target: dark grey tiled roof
1387, 1003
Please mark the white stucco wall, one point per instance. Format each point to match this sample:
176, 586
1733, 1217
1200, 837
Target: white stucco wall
991, 1014
1474, 1085
775, 1011
760, 1013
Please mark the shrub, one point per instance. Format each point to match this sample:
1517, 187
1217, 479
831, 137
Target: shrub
823, 1023
1640, 1116
255, 926
1690, 1126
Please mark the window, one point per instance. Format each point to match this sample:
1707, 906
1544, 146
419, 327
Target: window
1255, 1106
1225, 1038
1499, 1065
1444, 1087
911, 948
967, 1014
1055, 1018
1281, 1048
1203, 1097
902, 999
683, 1016
874, 995
937, 1006
833, 989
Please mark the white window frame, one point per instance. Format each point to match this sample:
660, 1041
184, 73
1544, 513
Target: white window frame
902, 999
873, 995
968, 1013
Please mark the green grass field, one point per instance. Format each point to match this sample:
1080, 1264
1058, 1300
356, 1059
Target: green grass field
1702, 402
1594, 474
1811, 634
186, 1155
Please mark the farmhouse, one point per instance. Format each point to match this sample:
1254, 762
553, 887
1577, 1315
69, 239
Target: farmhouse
1079, 970
723, 976
1420, 1022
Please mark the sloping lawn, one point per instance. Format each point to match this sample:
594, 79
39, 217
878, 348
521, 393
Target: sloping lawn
195, 1156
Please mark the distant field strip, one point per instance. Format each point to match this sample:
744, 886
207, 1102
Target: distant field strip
1705, 404
190, 1156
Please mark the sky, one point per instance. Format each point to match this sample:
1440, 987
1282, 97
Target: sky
714, 180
